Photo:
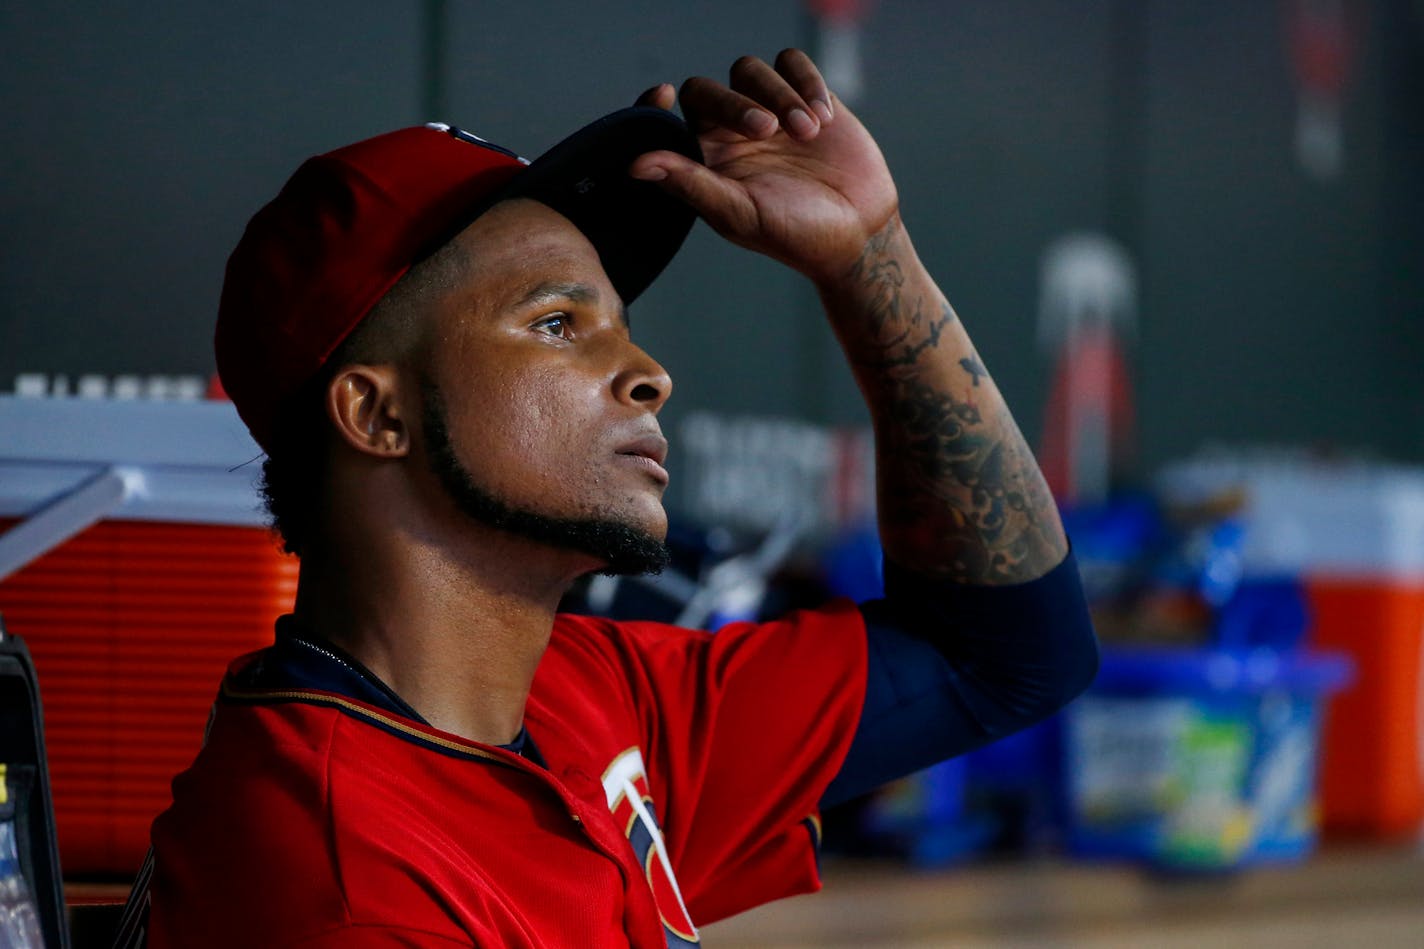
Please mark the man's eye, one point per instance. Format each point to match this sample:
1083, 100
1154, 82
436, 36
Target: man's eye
557, 325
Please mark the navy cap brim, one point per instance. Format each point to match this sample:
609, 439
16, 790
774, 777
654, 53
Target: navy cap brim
636, 227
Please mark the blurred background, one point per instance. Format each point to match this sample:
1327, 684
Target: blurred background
1278, 297
1188, 240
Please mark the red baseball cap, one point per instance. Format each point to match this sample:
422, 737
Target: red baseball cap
349, 224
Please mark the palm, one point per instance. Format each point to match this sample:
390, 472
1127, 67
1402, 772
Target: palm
812, 204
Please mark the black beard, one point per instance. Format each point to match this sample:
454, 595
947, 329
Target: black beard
622, 549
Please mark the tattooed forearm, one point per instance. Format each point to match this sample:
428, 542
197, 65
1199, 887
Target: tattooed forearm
964, 487
974, 367
896, 331
904, 349
879, 273
960, 493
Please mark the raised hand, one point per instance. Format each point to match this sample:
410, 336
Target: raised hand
790, 173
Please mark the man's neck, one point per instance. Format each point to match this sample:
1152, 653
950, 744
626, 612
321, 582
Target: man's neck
455, 629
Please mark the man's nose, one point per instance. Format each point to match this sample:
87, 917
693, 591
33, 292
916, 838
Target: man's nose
642, 381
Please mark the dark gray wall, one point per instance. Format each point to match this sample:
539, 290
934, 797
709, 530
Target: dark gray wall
1267, 311
140, 137
1275, 308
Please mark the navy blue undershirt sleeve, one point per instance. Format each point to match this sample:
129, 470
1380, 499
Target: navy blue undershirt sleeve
954, 666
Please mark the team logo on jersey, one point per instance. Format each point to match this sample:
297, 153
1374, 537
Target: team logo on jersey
626, 784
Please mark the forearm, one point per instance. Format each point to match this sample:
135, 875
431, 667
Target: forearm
960, 495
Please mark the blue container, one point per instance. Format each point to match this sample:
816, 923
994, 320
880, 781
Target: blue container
1198, 759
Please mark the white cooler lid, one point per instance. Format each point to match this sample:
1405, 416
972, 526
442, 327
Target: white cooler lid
191, 462
1343, 519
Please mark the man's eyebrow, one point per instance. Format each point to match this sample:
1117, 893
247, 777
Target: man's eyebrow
577, 292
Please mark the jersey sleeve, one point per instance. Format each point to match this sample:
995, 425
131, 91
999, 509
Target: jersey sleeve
745, 728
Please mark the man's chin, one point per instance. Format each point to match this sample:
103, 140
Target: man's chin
621, 549
613, 546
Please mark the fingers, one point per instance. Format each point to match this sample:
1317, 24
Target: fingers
708, 104
805, 78
760, 98
661, 96
760, 82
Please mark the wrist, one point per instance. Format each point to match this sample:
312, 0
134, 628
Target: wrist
847, 280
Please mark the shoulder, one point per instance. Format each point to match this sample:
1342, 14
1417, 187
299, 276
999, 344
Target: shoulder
293, 807
588, 637
634, 660
596, 651
246, 830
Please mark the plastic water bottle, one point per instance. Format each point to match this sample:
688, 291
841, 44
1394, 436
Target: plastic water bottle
19, 917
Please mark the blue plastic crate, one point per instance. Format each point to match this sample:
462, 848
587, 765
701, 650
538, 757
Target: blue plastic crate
1197, 759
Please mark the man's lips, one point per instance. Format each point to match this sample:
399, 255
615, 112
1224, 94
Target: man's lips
648, 446
648, 452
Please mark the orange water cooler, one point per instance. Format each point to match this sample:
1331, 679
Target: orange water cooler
135, 563
1366, 591
1373, 781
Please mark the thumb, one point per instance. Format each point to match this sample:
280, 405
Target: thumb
721, 202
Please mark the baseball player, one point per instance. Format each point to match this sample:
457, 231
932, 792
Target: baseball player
429, 337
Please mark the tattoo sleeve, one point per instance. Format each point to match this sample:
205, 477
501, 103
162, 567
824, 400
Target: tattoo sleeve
960, 494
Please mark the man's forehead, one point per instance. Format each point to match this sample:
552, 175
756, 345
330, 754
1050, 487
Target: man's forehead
525, 250
525, 214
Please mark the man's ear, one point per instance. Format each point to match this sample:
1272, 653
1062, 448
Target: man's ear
363, 403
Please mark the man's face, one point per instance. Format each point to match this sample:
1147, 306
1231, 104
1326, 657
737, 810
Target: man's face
539, 412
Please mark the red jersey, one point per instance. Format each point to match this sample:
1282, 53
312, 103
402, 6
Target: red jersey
683, 775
